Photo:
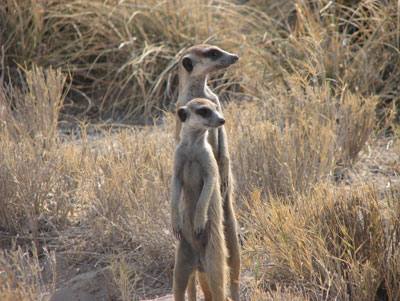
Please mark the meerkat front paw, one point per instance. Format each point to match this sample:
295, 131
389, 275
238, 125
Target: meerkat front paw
176, 227
177, 231
199, 226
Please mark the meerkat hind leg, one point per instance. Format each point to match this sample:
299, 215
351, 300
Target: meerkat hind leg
185, 264
205, 287
191, 289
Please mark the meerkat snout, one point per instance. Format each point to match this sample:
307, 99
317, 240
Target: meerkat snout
230, 59
235, 58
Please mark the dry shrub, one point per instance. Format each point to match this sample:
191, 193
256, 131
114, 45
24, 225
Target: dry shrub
356, 122
25, 275
353, 42
100, 199
315, 96
294, 138
337, 242
96, 196
32, 111
126, 184
30, 188
124, 221
352, 45
121, 55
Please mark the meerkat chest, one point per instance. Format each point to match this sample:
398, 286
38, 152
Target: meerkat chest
192, 179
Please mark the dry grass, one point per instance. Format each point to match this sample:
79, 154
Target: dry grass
333, 243
121, 54
99, 199
317, 82
298, 137
22, 274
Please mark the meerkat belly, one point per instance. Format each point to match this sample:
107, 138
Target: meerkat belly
192, 182
192, 187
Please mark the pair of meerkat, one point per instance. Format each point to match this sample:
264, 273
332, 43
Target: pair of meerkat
194, 66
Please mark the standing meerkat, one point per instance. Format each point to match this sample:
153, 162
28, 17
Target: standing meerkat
197, 215
194, 66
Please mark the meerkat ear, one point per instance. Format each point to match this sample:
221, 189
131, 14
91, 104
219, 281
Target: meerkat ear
187, 64
182, 114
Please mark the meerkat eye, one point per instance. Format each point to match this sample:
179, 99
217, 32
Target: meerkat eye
204, 112
213, 53
187, 64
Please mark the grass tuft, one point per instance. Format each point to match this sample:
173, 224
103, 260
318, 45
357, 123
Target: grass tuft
332, 243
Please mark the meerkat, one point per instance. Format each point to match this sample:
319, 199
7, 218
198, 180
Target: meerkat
196, 204
194, 66
197, 218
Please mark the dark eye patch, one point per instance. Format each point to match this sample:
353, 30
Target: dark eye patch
187, 64
213, 54
204, 112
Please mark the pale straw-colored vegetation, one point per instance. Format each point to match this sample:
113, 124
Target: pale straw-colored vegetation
87, 91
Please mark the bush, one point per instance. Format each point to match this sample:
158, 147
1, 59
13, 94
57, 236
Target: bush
332, 243
121, 55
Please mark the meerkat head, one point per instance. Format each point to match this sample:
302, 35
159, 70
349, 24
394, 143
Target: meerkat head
200, 113
203, 59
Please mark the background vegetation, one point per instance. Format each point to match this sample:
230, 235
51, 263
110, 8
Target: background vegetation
313, 132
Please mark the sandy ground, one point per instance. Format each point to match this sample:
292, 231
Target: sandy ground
90, 286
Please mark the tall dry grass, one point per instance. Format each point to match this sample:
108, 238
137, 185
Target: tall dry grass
333, 243
29, 143
303, 101
23, 276
121, 54
298, 137
99, 197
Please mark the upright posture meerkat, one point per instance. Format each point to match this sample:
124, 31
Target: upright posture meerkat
197, 216
194, 66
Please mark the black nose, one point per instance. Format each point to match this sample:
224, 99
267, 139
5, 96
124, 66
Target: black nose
235, 58
222, 121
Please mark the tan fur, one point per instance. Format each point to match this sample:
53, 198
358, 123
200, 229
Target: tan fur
194, 84
196, 204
